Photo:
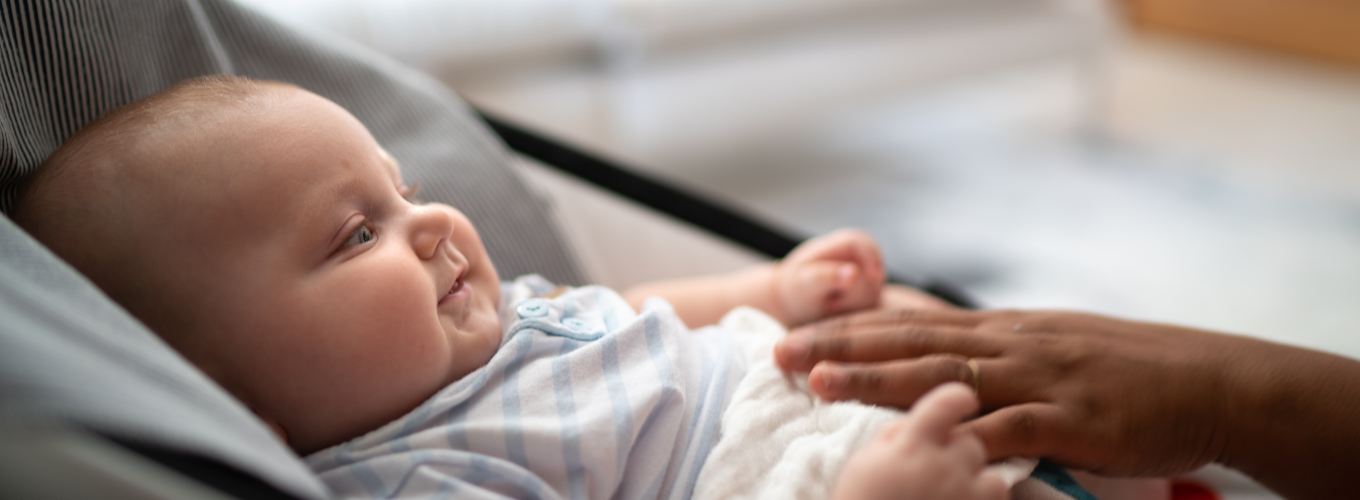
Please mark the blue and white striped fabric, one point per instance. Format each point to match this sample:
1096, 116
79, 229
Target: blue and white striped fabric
585, 399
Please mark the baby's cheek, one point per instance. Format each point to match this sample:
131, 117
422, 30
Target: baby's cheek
407, 346
473, 345
385, 329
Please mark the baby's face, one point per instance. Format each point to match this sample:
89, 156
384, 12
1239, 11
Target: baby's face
332, 304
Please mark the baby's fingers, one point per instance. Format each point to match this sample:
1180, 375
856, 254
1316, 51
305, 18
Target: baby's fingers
1031, 429
826, 277
834, 286
935, 414
846, 245
967, 449
991, 486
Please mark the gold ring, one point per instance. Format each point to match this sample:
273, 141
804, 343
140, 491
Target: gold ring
977, 375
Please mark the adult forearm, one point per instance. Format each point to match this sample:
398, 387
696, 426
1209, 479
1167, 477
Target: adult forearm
1296, 427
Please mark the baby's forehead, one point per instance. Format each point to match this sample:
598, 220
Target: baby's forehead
291, 149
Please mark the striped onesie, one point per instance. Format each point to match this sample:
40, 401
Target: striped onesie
585, 398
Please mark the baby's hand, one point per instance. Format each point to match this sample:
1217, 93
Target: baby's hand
924, 456
902, 297
828, 275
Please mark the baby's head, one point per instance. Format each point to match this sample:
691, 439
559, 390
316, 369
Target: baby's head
264, 234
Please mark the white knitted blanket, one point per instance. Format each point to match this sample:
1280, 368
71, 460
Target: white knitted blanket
780, 442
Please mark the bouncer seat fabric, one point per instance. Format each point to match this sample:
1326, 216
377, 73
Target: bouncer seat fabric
68, 354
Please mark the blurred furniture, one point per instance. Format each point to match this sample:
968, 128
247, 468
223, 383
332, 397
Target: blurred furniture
648, 78
1323, 28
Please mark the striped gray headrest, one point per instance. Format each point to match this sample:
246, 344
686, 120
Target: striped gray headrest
65, 62
68, 353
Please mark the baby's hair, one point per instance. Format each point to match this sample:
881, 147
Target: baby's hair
81, 201
114, 132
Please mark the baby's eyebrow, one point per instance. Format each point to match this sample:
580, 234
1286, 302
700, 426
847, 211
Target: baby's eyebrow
392, 164
404, 190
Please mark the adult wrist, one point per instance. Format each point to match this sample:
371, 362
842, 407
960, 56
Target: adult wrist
1293, 416
1254, 376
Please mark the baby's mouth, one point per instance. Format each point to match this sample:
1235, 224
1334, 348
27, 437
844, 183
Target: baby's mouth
455, 291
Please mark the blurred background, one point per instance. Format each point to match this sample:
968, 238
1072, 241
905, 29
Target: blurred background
1189, 161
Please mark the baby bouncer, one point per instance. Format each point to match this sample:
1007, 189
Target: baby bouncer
92, 404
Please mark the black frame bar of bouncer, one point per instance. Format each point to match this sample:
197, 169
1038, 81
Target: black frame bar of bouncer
690, 207
686, 206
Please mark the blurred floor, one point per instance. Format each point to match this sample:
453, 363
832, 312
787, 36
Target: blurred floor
1216, 187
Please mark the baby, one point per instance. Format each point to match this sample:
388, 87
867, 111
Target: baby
265, 235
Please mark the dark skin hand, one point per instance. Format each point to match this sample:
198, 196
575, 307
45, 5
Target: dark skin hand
1110, 396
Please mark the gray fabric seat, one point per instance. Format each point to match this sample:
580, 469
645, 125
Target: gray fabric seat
67, 353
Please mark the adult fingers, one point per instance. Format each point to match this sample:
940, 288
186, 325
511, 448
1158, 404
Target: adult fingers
1031, 429
800, 352
887, 319
899, 383
936, 414
895, 383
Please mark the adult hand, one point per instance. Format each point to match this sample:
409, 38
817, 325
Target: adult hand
1111, 396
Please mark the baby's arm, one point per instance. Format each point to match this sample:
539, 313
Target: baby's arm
924, 455
839, 272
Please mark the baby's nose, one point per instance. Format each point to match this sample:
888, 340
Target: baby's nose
433, 225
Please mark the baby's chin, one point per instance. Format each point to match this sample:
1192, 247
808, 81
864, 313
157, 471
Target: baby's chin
479, 339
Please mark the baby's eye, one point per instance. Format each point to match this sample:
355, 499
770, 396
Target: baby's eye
361, 235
